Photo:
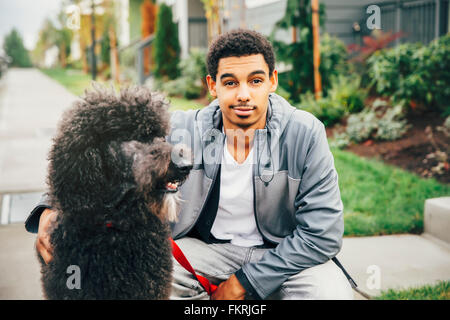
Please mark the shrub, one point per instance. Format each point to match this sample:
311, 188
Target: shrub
166, 45
392, 125
283, 93
192, 82
300, 78
347, 92
360, 126
333, 64
436, 66
344, 97
298, 55
325, 109
14, 48
414, 75
380, 122
389, 67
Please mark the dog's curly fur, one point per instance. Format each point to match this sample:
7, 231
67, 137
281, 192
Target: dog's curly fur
108, 168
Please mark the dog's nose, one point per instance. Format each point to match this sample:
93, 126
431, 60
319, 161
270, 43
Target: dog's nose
182, 158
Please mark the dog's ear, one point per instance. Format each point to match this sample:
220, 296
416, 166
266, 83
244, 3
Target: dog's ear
150, 162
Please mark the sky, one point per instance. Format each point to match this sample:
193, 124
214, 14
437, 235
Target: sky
27, 16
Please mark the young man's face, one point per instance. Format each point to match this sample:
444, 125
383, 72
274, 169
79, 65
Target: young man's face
242, 86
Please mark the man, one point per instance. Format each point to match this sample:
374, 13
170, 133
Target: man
262, 215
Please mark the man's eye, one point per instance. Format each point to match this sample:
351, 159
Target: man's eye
256, 81
229, 83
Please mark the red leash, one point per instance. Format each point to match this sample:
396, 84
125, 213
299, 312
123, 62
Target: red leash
183, 261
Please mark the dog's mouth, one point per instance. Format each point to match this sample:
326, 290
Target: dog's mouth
171, 187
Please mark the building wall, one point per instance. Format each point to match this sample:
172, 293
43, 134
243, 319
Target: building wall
123, 28
195, 9
197, 25
192, 28
340, 17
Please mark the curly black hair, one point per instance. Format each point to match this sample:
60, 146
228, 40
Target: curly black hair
238, 43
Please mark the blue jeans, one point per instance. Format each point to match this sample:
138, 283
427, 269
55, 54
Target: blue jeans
218, 262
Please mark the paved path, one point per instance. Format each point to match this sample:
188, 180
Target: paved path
402, 261
19, 267
30, 106
395, 261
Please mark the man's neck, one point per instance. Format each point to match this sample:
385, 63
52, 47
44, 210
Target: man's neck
240, 140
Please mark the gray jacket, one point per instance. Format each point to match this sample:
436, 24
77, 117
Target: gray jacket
297, 202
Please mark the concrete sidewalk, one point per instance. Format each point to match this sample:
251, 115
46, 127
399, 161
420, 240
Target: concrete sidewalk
401, 261
19, 267
30, 106
395, 261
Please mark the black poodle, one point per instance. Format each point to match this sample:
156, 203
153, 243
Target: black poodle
113, 180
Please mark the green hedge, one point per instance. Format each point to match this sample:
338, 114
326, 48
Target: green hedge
166, 45
414, 74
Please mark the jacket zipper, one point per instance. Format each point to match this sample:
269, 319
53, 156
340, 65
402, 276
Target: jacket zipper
254, 194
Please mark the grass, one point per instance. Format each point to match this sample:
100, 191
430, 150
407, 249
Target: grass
378, 198
72, 79
382, 199
183, 104
440, 291
76, 82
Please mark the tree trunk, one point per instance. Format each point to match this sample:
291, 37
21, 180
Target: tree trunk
316, 49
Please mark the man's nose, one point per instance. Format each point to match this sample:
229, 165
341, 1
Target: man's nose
243, 94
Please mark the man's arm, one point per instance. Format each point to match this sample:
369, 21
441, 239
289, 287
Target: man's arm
320, 225
38, 222
32, 222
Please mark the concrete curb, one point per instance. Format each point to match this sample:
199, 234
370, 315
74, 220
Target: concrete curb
437, 218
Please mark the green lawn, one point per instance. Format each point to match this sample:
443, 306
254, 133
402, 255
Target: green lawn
378, 199
74, 80
440, 291
183, 104
382, 199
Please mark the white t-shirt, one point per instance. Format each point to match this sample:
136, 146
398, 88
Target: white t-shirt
235, 219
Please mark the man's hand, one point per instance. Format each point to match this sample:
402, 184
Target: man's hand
229, 290
43, 245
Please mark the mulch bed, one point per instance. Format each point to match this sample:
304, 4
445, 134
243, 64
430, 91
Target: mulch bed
415, 152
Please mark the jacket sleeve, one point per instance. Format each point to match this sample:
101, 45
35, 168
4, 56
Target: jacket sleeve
320, 226
32, 222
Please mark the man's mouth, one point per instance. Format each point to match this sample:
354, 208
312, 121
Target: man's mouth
243, 111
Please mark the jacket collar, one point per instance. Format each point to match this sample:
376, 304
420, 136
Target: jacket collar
267, 140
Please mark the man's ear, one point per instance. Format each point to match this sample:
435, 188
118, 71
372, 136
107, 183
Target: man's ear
274, 81
211, 86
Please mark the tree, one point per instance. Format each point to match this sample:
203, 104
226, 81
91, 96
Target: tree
63, 38
14, 48
166, 45
214, 18
148, 14
54, 35
298, 53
